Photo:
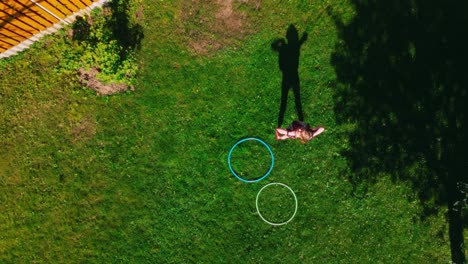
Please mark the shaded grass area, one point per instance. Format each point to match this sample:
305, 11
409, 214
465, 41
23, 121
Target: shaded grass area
407, 97
143, 177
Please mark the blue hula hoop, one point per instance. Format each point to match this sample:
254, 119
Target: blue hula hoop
257, 179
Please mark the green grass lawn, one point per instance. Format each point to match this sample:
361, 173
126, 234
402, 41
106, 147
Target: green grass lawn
142, 177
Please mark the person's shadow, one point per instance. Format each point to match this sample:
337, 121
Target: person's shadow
288, 53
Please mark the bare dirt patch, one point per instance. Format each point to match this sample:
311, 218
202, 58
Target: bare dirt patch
212, 25
89, 79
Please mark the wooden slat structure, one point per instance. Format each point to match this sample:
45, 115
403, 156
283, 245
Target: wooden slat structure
24, 21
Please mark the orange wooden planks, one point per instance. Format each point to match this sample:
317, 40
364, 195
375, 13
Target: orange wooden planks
22, 19
79, 4
62, 7
39, 11
18, 14
14, 33
53, 9
87, 2
32, 11
16, 20
6, 39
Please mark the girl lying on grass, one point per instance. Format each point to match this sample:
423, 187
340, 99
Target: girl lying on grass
299, 129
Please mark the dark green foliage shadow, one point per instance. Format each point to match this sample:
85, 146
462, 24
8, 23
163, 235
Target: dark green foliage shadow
108, 41
128, 34
117, 26
80, 29
401, 79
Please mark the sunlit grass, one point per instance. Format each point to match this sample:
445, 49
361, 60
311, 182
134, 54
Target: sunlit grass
143, 177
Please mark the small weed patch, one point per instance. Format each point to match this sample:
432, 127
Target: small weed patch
103, 58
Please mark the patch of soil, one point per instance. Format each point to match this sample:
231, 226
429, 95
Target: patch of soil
88, 79
231, 22
211, 25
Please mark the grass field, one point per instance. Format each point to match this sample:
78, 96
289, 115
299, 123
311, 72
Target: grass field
142, 177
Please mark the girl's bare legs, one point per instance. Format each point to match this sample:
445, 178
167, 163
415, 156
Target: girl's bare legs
282, 134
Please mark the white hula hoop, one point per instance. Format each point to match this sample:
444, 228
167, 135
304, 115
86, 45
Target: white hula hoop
258, 211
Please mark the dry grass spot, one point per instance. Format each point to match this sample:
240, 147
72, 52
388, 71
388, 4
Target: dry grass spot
83, 130
212, 25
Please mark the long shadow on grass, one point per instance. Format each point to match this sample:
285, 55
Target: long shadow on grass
288, 60
402, 78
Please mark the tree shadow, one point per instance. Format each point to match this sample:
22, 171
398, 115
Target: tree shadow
127, 34
118, 26
80, 28
402, 80
288, 60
